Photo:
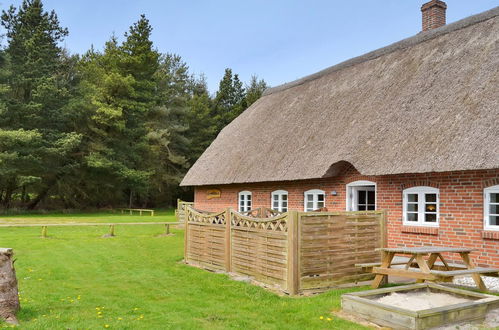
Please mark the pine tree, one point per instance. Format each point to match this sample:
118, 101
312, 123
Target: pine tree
229, 100
254, 90
37, 94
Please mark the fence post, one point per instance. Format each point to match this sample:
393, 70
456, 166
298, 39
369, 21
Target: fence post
186, 234
228, 241
293, 271
383, 229
44, 231
384, 240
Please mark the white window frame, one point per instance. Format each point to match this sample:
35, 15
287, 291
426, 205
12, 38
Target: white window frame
315, 199
351, 200
280, 201
420, 191
246, 199
486, 207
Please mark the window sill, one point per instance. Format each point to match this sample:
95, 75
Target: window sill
420, 230
489, 234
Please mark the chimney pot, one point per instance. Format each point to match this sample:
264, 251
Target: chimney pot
433, 14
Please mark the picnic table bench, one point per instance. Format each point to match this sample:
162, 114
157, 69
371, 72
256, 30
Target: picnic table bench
426, 270
136, 210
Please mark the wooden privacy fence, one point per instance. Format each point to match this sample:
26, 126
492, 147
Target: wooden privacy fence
293, 252
180, 210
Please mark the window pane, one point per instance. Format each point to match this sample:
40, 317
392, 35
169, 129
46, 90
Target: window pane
284, 204
320, 204
284, 197
275, 197
284, 209
412, 207
248, 197
362, 207
249, 205
412, 217
276, 205
430, 218
371, 207
412, 198
494, 209
431, 198
310, 197
431, 208
320, 197
494, 220
310, 205
371, 197
494, 197
362, 197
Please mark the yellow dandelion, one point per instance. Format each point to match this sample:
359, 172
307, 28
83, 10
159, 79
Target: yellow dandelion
120, 318
329, 319
106, 326
99, 313
136, 309
39, 279
322, 317
97, 308
72, 300
79, 297
99, 316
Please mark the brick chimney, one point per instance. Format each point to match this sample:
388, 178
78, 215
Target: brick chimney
433, 14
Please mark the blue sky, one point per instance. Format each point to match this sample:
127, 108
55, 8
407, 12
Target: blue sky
278, 40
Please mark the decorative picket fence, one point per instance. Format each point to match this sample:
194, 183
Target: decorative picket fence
180, 210
293, 252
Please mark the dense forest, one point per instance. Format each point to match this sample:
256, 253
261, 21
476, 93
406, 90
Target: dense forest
113, 127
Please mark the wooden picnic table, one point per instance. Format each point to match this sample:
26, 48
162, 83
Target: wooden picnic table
425, 271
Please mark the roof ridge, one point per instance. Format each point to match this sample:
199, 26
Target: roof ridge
402, 44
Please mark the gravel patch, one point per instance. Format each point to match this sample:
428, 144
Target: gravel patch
492, 283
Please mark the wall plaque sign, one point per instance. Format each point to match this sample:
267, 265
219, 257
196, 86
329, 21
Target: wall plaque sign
213, 193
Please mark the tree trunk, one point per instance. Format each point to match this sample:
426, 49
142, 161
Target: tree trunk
41, 195
9, 296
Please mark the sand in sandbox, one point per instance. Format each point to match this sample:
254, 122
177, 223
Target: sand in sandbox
416, 301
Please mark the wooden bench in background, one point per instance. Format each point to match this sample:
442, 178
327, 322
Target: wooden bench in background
136, 210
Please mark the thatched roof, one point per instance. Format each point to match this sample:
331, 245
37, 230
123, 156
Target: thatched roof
429, 103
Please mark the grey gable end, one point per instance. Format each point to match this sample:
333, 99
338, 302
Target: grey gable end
429, 103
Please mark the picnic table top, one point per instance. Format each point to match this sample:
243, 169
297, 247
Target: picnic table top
426, 249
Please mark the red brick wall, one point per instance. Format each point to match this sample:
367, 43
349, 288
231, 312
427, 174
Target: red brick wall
461, 205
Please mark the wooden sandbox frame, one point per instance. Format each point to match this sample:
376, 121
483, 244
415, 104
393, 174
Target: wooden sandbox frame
294, 252
362, 305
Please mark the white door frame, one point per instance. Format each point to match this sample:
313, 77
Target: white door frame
352, 187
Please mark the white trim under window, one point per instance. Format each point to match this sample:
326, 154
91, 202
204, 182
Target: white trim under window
361, 196
421, 206
244, 203
314, 199
491, 208
279, 201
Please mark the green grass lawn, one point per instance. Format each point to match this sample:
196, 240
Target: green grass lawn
76, 280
